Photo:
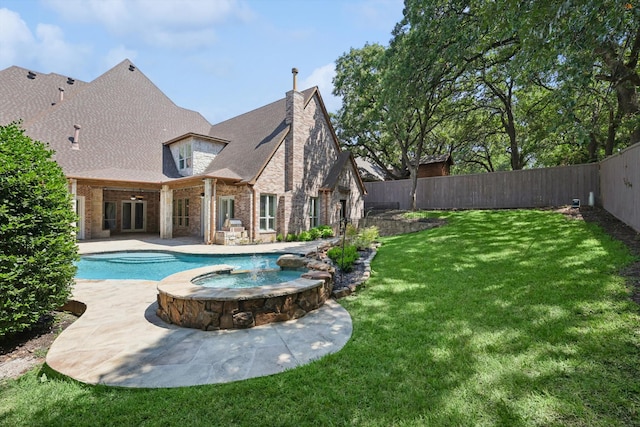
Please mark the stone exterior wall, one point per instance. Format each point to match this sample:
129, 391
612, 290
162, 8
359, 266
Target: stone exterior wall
347, 189
298, 169
202, 153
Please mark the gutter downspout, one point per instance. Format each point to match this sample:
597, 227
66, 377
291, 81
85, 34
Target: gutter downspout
213, 207
206, 205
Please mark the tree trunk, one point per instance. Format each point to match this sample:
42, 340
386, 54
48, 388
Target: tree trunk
614, 122
592, 148
414, 185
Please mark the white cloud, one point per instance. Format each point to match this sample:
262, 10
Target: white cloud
16, 38
118, 54
54, 53
45, 50
323, 78
185, 24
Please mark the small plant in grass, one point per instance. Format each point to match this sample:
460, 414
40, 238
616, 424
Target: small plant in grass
344, 260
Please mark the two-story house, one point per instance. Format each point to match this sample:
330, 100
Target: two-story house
136, 162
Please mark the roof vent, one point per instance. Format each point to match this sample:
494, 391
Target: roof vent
31, 75
61, 94
75, 144
132, 67
70, 81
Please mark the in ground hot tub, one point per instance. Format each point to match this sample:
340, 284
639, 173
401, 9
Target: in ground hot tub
185, 303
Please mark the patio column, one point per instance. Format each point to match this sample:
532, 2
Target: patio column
206, 206
166, 212
74, 199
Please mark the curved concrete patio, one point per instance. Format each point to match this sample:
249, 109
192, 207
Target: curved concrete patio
119, 340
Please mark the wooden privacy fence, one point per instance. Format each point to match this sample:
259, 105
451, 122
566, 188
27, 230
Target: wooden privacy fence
614, 183
498, 190
620, 185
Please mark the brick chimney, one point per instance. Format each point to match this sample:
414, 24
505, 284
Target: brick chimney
294, 145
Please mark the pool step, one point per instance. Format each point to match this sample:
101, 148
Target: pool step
129, 259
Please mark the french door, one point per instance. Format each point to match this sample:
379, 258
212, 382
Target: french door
133, 215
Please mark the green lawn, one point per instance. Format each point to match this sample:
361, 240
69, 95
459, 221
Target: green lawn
498, 318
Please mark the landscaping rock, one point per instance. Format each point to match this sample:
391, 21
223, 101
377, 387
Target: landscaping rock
320, 266
291, 261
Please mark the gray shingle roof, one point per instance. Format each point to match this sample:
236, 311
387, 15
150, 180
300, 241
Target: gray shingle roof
331, 179
254, 137
126, 125
124, 120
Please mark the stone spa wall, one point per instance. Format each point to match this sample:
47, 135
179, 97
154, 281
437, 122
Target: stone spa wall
182, 303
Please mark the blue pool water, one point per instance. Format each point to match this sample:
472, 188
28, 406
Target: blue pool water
249, 279
147, 265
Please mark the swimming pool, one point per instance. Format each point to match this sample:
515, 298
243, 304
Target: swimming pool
156, 265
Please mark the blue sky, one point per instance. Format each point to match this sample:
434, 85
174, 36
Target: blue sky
218, 57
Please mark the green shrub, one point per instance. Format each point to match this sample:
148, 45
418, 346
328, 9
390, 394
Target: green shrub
366, 237
279, 237
351, 232
38, 245
315, 233
325, 231
304, 236
346, 261
291, 237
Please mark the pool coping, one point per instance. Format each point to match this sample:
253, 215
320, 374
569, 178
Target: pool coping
180, 285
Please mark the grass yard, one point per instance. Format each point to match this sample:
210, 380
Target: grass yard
498, 318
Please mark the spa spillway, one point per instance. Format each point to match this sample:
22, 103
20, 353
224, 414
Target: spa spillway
184, 302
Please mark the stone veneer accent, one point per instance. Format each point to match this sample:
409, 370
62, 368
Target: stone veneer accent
188, 305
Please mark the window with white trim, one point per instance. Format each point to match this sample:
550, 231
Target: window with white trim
184, 156
313, 212
181, 212
267, 212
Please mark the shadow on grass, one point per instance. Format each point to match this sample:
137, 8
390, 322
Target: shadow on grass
500, 318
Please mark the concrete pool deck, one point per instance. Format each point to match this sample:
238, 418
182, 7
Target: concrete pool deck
119, 340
